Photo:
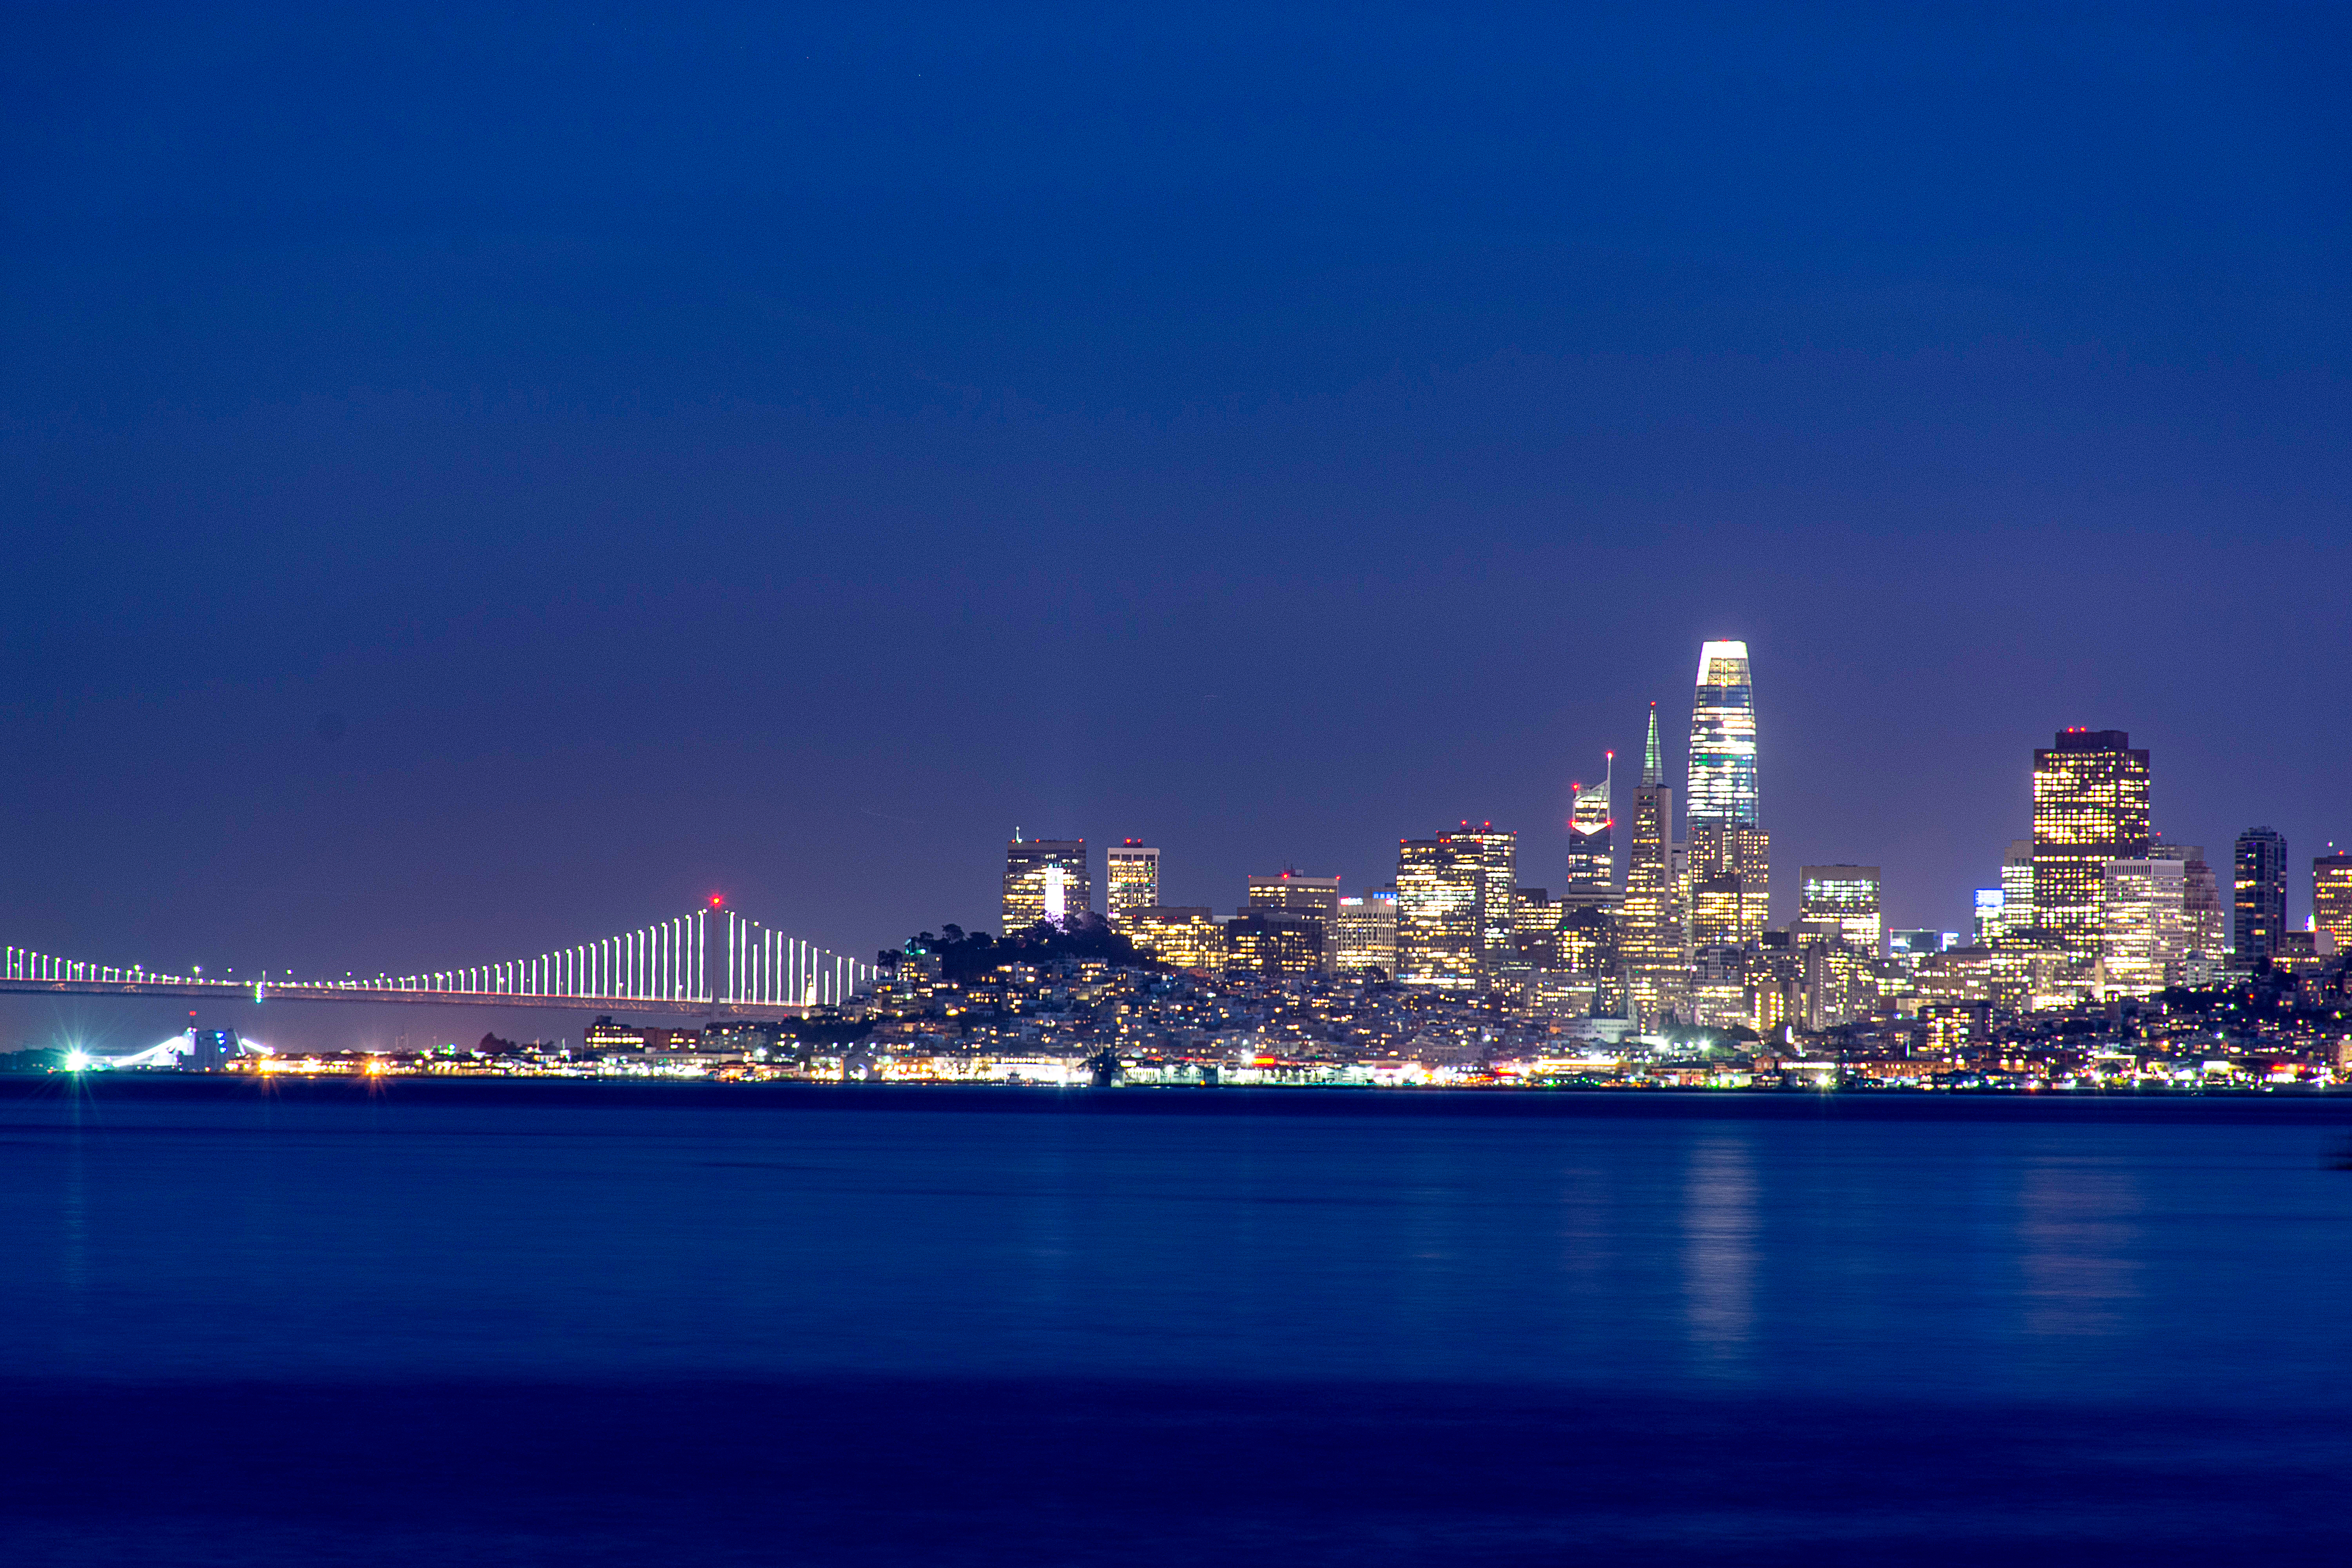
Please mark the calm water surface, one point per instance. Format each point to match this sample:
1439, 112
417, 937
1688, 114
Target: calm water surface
520, 1323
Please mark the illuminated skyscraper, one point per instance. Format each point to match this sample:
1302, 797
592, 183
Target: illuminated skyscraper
1650, 933
1272, 944
2017, 889
2145, 942
1837, 988
2331, 898
1315, 895
2261, 895
1498, 869
1364, 933
1723, 737
2090, 806
1188, 937
1045, 879
2204, 930
1440, 910
1586, 942
1455, 906
1535, 927
1130, 879
1314, 898
1990, 903
1847, 895
1591, 865
1729, 855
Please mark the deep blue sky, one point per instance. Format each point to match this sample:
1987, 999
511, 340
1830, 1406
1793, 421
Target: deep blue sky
476, 481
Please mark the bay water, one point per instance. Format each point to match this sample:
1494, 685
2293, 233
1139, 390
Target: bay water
526, 1321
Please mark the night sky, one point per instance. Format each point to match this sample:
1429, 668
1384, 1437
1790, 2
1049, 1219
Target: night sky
476, 482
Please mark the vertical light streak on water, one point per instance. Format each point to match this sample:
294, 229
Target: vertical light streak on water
2078, 1246
1718, 1251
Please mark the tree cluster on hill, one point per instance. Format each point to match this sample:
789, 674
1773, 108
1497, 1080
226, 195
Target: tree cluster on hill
966, 955
826, 1027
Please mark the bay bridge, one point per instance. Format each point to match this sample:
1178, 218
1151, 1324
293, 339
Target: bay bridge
712, 962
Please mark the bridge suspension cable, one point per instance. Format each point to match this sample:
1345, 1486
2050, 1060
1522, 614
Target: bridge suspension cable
709, 956
24, 964
732, 959
765, 967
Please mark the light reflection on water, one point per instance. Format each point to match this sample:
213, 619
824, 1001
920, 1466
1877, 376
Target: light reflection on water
1719, 1249
1956, 1255
2079, 1247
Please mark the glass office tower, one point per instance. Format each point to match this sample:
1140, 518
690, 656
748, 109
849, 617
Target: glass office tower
2331, 898
2260, 895
1131, 879
2090, 806
1440, 913
1045, 881
1722, 784
1730, 858
1592, 867
1650, 949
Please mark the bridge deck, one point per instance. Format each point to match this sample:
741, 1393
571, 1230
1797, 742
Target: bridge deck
233, 991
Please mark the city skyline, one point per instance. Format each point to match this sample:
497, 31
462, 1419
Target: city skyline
2095, 906
1728, 794
790, 505
1539, 864
744, 738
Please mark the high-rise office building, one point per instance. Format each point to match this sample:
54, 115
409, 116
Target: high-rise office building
1836, 985
1723, 737
1586, 945
2017, 889
1535, 927
1498, 869
1726, 892
1776, 982
1045, 879
1311, 898
1591, 857
1989, 905
1185, 936
1130, 879
1715, 913
1273, 943
2204, 929
1847, 895
1719, 994
1440, 913
2144, 942
2331, 898
1315, 895
2090, 806
1650, 940
1729, 855
1364, 933
1909, 947
2260, 900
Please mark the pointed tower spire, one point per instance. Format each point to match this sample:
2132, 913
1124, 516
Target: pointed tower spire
1653, 766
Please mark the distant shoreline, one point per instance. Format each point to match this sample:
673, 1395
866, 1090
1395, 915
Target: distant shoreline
62, 1093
